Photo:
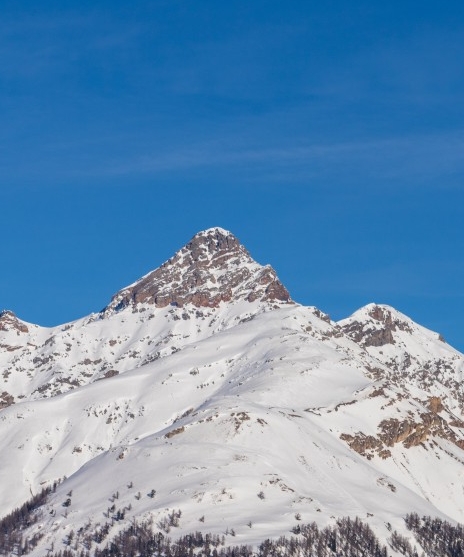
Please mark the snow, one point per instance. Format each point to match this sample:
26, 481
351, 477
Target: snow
211, 407
213, 231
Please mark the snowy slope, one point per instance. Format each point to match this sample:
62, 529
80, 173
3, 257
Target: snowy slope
211, 269
242, 411
413, 354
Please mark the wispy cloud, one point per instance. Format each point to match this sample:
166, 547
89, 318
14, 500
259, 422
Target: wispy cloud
417, 158
411, 161
107, 97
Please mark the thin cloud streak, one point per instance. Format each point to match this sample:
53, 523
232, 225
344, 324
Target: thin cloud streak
411, 157
431, 160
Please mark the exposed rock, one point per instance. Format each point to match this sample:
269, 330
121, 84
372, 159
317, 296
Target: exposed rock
435, 404
6, 400
324, 316
408, 432
10, 348
395, 431
212, 268
374, 372
173, 432
9, 322
239, 419
384, 482
412, 433
383, 315
377, 331
380, 391
432, 425
368, 336
379, 338
366, 445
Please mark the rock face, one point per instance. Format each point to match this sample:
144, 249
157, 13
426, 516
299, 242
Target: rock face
377, 332
212, 268
9, 322
412, 354
6, 400
409, 432
435, 404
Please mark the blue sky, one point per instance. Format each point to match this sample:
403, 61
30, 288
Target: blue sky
329, 137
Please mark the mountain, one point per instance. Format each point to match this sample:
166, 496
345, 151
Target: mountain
212, 268
213, 278
412, 353
203, 398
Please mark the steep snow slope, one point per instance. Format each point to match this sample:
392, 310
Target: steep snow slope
244, 413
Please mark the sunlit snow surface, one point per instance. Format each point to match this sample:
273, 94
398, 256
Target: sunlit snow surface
238, 415
238, 419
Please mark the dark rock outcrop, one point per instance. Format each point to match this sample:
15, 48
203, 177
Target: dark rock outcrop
409, 432
376, 331
212, 268
6, 400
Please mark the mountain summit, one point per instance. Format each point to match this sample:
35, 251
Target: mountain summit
204, 399
213, 267
9, 322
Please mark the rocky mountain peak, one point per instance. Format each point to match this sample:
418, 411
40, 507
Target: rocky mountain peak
213, 267
9, 322
212, 248
380, 313
374, 325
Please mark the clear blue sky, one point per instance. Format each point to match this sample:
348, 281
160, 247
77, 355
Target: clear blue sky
328, 136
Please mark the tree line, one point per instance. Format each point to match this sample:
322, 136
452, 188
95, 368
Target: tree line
348, 537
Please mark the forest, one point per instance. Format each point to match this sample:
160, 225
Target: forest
347, 537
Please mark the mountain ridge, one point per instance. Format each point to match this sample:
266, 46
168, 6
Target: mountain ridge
239, 409
212, 267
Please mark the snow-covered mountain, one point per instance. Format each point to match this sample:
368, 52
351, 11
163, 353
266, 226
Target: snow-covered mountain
203, 388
